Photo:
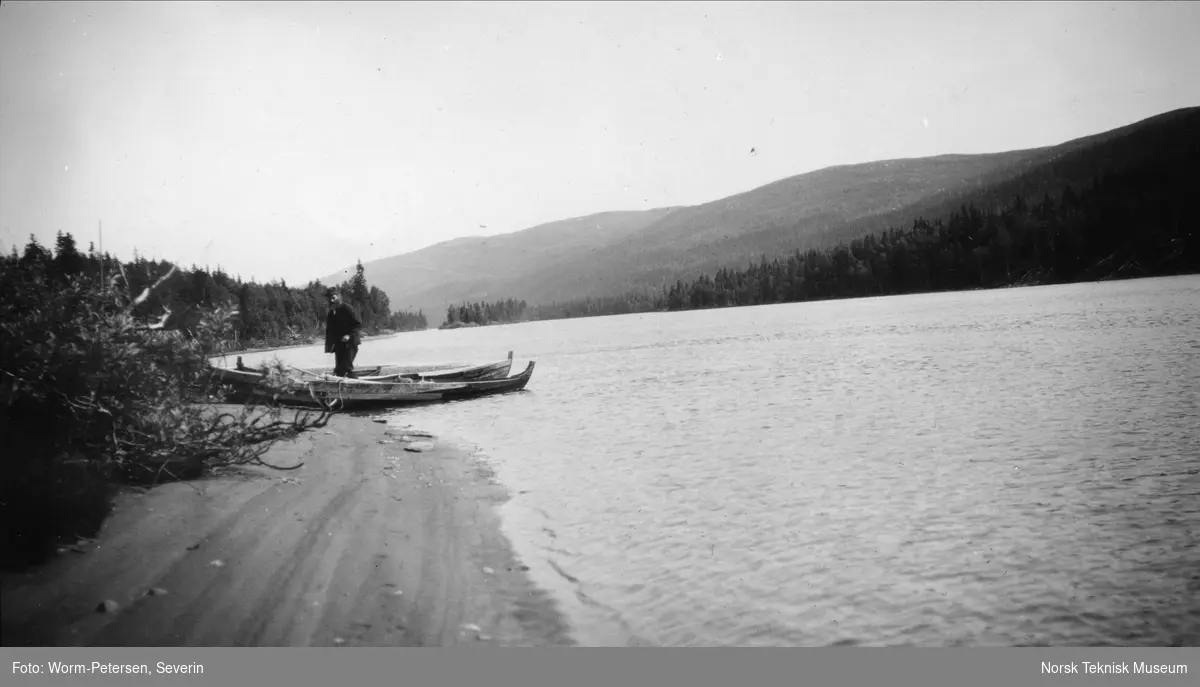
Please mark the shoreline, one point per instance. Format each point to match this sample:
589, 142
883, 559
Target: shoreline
365, 544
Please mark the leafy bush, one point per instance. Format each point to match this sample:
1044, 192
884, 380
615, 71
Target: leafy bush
93, 398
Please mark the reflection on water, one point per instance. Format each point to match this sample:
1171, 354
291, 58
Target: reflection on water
984, 468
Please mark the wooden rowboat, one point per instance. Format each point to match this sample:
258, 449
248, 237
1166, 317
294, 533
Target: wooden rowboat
494, 370
343, 393
488, 387
455, 372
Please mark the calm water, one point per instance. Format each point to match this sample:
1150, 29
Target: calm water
988, 468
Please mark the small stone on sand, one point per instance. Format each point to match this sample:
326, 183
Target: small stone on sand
217, 564
107, 606
156, 591
419, 447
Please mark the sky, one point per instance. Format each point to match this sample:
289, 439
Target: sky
287, 140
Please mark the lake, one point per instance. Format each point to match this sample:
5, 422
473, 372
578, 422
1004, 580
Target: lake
1007, 467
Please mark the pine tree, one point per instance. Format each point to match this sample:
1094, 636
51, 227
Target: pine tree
67, 260
359, 295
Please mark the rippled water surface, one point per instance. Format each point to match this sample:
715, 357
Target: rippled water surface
1003, 467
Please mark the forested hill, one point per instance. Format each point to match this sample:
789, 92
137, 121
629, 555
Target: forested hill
1166, 141
618, 253
1136, 217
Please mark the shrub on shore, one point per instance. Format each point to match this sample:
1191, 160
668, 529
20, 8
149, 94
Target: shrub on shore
93, 398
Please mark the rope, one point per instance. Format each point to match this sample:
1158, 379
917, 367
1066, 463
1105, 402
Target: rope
321, 402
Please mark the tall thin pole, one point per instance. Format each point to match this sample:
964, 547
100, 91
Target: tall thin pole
101, 253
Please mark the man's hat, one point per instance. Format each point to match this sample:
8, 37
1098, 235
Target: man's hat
330, 292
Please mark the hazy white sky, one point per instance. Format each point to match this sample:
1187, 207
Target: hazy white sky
289, 139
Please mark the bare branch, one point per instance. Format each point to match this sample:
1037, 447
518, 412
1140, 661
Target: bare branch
125, 278
162, 321
150, 289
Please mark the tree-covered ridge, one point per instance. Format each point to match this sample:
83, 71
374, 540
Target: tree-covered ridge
482, 313
608, 255
270, 314
631, 302
1136, 224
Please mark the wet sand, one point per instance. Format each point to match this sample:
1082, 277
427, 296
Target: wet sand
365, 544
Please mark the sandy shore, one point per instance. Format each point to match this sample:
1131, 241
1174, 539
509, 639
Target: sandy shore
365, 544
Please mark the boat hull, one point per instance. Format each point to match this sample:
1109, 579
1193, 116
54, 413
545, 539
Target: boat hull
340, 392
453, 372
345, 393
487, 371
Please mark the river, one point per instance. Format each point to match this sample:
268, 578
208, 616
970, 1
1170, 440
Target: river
1007, 467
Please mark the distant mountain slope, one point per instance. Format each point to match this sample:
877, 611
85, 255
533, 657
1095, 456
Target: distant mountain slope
1076, 163
612, 253
794, 212
470, 267
1157, 140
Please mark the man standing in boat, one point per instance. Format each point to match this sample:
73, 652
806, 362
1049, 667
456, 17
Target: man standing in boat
341, 334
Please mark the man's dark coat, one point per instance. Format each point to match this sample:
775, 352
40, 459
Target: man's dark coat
340, 322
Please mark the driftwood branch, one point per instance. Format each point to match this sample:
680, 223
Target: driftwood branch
223, 439
150, 289
161, 323
124, 276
